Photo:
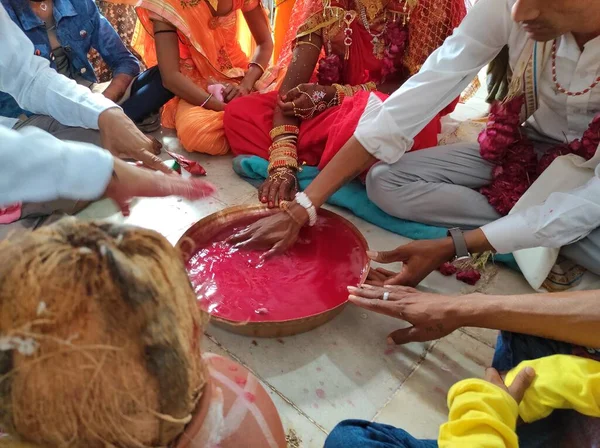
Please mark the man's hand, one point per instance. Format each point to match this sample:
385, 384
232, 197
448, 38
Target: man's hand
124, 140
129, 181
432, 316
419, 258
518, 387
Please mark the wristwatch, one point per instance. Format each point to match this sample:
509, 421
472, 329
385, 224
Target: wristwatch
460, 245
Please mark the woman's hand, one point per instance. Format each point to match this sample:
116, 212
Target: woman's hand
281, 185
232, 91
275, 234
432, 316
306, 100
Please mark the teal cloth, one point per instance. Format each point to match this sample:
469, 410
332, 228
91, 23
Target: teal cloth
353, 197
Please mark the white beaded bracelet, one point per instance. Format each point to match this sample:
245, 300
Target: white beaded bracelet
305, 202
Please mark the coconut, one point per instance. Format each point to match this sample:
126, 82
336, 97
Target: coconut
99, 338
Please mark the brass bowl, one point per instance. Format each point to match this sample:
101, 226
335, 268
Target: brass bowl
204, 232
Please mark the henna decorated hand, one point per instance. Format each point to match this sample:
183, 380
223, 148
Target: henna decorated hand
281, 185
306, 100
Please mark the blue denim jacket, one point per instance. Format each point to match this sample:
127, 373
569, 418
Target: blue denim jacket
79, 27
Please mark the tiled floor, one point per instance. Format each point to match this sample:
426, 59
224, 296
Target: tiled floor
343, 369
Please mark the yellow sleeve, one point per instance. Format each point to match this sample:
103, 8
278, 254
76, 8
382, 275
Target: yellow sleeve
481, 415
561, 382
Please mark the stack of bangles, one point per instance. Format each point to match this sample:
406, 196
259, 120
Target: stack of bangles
283, 153
342, 92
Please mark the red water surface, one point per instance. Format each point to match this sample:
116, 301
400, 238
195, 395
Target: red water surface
309, 279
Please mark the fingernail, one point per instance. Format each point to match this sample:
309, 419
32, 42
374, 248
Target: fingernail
390, 341
529, 371
352, 289
388, 286
365, 286
264, 199
371, 254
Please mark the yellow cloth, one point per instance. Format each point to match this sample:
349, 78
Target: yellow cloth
483, 415
562, 382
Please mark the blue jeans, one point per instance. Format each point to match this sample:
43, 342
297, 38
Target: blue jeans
511, 349
148, 95
363, 434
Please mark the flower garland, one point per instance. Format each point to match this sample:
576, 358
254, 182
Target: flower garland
517, 167
396, 37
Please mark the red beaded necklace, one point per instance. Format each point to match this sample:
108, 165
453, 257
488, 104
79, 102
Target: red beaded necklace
560, 88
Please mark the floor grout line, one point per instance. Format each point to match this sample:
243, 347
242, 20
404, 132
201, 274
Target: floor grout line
418, 364
269, 385
477, 338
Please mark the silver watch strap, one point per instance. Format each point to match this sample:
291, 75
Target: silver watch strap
460, 245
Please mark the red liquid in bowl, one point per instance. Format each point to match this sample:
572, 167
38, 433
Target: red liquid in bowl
311, 278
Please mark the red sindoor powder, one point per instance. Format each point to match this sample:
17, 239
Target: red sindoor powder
309, 279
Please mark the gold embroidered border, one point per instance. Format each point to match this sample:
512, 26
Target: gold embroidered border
321, 19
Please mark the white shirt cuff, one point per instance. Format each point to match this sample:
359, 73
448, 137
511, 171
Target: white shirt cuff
92, 107
378, 133
86, 172
510, 234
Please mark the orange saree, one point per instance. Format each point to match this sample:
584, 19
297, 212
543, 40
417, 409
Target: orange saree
210, 53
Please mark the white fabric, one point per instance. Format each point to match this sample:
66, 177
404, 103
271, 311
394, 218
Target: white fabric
566, 173
387, 129
34, 166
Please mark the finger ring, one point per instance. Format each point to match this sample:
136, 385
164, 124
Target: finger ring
386, 295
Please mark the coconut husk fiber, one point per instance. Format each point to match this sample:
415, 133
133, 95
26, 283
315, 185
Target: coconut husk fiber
99, 338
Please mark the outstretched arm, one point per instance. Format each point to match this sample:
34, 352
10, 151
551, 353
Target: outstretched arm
167, 53
572, 317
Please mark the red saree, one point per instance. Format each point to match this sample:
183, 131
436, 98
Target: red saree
248, 120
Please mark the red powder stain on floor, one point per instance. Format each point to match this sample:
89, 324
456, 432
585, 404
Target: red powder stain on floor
350, 403
281, 341
233, 368
320, 393
439, 390
315, 405
357, 373
388, 351
254, 343
319, 369
240, 381
250, 397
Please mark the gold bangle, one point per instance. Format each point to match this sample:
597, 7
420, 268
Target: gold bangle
258, 65
284, 129
305, 42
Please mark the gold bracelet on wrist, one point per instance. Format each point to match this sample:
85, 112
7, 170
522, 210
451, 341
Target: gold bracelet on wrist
284, 129
257, 65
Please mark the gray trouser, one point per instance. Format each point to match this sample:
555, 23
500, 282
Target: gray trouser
36, 215
438, 186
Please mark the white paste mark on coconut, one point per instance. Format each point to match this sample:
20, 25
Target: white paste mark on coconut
103, 250
26, 347
119, 239
41, 309
85, 250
